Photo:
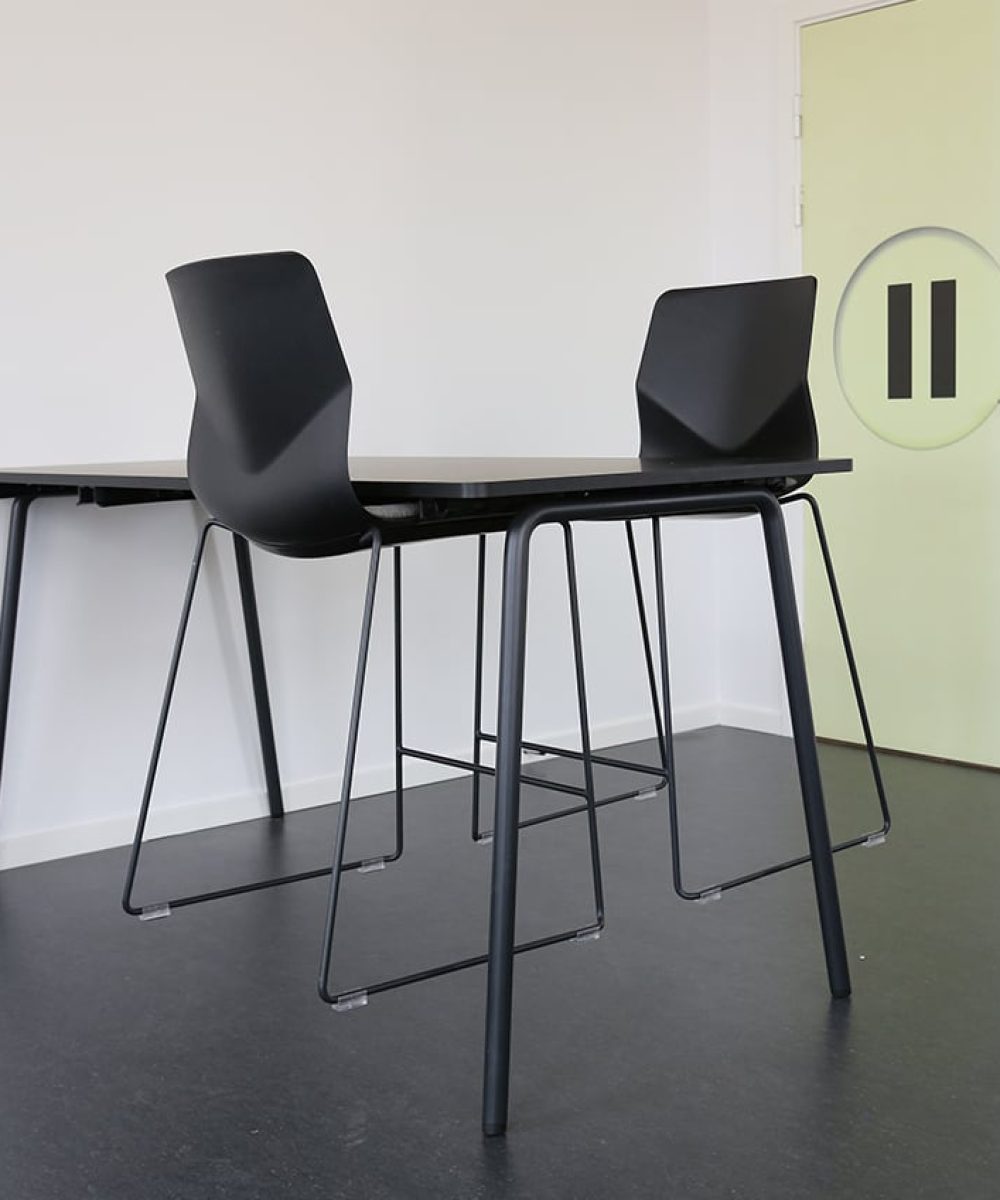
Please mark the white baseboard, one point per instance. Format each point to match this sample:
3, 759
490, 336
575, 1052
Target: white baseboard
759, 720
82, 838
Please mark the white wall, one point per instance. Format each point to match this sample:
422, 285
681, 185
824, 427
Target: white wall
493, 196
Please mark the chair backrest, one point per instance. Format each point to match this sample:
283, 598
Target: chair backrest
723, 372
267, 454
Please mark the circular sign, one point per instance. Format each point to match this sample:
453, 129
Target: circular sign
917, 338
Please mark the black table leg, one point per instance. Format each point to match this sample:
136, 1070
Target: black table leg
248, 598
793, 659
510, 712
8, 612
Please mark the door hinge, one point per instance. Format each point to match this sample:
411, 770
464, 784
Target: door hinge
799, 206
797, 117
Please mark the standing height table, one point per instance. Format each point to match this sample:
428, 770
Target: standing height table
525, 493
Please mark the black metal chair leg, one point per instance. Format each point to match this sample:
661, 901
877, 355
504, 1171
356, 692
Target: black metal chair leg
657, 774
348, 777
165, 907
477, 702
11, 599
357, 997
397, 688
647, 649
588, 762
255, 652
482, 836
667, 728
161, 727
821, 851
831, 577
873, 838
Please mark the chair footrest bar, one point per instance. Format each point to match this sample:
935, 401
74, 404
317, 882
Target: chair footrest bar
362, 866
242, 889
577, 808
601, 760
461, 764
713, 893
586, 934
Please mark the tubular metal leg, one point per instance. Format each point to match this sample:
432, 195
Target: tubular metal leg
476, 767
667, 747
163, 908
658, 774
852, 665
820, 850
510, 715
644, 631
581, 695
344, 1001
255, 651
477, 714
793, 659
345, 788
397, 669
11, 598
874, 838
161, 724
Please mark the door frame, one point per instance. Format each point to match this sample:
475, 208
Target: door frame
795, 15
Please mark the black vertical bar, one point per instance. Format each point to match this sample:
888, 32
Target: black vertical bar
354, 726
796, 683
667, 731
852, 665
255, 652
644, 632
503, 892
899, 341
944, 338
11, 599
581, 699
397, 673
477, 702
161, 722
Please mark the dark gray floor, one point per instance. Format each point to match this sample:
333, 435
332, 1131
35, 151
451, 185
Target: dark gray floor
692, 1052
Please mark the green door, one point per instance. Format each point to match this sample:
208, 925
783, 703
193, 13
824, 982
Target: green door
901, 224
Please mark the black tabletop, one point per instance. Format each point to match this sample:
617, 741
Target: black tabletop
496, 478
166, 476
454, 478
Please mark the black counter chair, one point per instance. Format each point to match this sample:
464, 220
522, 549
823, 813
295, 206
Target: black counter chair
267, 459
724, 376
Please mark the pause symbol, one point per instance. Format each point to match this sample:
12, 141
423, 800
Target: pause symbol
944, 315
